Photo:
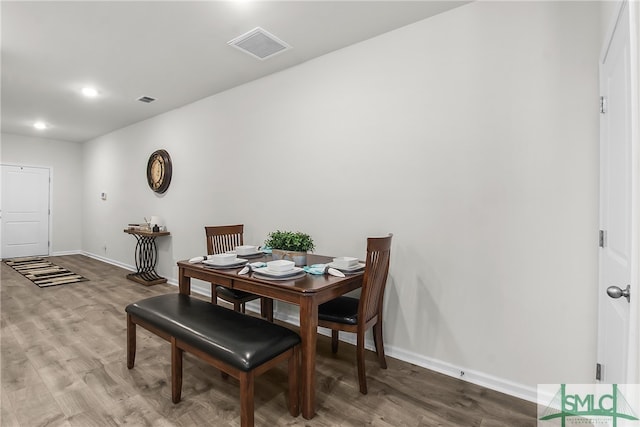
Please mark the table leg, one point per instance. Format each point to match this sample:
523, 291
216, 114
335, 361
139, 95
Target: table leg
308, 333
184, 282
146, 259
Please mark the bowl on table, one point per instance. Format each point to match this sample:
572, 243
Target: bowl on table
280, 265
345, 262
246, 250
223, 258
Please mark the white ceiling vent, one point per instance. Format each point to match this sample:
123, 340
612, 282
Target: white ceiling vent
146, 99
259, 43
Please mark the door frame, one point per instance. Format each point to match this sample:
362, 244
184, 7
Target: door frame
634, 344
633, 362
50, 218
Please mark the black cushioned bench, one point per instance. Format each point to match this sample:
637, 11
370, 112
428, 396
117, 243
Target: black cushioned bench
239, 345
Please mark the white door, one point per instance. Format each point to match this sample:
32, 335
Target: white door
618, 253
25, 211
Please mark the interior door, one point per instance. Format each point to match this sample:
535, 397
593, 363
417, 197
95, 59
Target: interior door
618, 252
25, 211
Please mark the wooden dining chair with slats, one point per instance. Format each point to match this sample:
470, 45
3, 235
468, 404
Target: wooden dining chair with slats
358, 315
225, 238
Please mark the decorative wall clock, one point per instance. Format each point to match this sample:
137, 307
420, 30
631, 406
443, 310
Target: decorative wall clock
159, 171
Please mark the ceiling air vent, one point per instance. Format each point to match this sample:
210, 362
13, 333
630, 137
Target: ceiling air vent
259, 43
146, 99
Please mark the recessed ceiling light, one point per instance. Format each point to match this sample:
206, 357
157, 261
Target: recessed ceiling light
40, 125
89, 92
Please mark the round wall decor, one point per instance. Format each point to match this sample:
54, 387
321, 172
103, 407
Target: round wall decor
159, 171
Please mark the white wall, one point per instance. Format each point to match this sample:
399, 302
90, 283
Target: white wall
472, 136
608, 13
64, 158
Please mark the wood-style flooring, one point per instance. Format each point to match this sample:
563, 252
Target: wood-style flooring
63, 363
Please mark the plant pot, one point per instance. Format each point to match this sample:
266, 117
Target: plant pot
299, 258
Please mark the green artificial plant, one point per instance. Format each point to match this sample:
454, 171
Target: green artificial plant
290, 241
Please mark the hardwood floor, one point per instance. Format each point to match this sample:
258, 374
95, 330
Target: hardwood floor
63, 363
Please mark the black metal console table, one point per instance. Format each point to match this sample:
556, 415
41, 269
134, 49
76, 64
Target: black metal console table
146, 257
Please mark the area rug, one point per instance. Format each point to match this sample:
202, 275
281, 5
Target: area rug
42, 272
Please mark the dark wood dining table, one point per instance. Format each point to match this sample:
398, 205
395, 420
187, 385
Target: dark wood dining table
307, 292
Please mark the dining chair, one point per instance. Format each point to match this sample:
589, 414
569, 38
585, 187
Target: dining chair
357, 315
225, 238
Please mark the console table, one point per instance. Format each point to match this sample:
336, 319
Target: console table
146, 257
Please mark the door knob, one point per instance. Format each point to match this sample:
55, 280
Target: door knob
616, 292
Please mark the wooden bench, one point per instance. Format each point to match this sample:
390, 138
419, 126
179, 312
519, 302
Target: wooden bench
239, 345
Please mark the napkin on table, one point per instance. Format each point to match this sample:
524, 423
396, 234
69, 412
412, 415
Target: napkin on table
249, 267
199, 259
322, 269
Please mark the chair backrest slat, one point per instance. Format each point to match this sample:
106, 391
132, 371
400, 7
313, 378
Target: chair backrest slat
223, 238
375, 277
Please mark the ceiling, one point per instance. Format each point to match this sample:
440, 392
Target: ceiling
173, 51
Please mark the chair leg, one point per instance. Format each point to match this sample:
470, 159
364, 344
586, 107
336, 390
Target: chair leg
266, 308
214, 294
131, 342
237, 306
362, 377
246, 399
176, 371
334, 341
294, 387
377, 340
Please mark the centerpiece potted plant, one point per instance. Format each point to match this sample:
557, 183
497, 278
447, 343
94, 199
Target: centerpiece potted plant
290, 245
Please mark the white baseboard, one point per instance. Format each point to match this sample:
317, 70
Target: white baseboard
475, 377
63, 253
502, 385
109, 261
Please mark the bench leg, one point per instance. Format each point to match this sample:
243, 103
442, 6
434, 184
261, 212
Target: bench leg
294, 384
246, 399
176, 371
131, 342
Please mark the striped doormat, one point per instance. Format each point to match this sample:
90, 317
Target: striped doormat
42, 272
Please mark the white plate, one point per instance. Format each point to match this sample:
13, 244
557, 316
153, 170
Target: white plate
295, 276
236, 263
264, 271
356, 267
253, 255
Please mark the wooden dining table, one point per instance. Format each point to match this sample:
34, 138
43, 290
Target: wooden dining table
307, 292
